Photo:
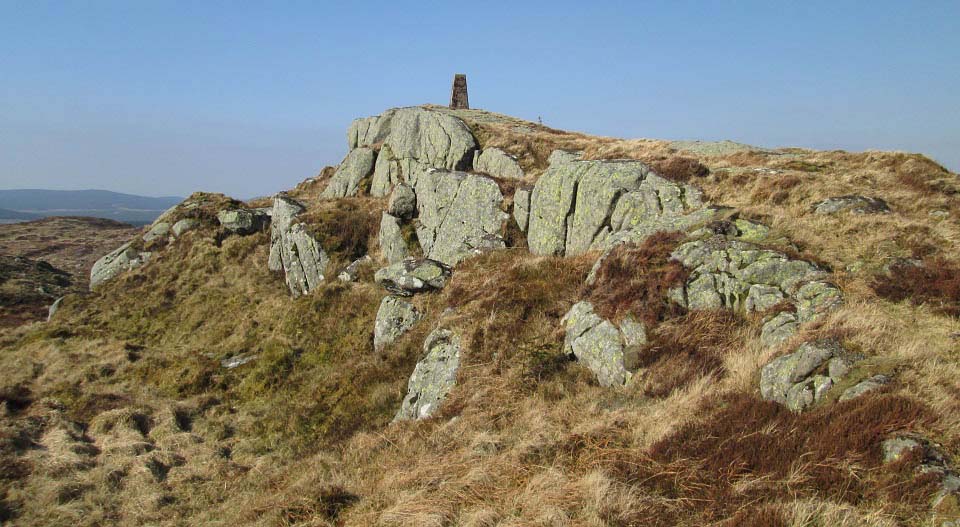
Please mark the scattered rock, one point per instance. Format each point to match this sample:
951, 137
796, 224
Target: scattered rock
459, 215
413, 275
157, 231
608, 351
433, 377
793, 379
403, 202
54, 307
293, 250
580, 205
392, 245
243, 221
237, 361
184, 225
497, 163
857, 204
394, 318
779, 328
521, 207
346, 180
124, 258
351, 272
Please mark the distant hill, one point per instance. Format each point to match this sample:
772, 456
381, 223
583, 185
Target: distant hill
25, 204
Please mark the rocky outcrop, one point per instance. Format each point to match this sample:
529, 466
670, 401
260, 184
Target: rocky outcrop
393, 247
856, 204
607, 350
581, 205
412, 140
124, 258
394, 318
413, 275
459, 215
497, 163
867, 385
293, 250
802, 378
433, 377
346, 180
736, 274
243, 221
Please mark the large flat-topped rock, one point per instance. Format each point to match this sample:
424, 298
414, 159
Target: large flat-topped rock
411, 140
579, 205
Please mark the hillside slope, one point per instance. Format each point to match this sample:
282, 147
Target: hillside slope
549, 329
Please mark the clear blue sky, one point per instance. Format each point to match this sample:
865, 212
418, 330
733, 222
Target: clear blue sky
249, 98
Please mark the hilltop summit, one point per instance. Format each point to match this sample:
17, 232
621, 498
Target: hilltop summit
478, 320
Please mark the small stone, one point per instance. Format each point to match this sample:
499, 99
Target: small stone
857, 204
184, 225
52, 310
403, 202
352, 271
237, 361
413, 275
866, 386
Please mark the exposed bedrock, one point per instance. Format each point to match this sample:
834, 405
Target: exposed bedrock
293, 250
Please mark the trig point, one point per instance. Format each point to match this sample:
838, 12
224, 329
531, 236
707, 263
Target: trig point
458, 94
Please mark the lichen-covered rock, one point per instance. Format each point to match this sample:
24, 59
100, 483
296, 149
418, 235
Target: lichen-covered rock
857, 204
394, 318
581, 205
346, 180
293, 250
420, 138
433, 377
608, 351
124, 258
413, 275
801, 378
392, 245
157, 231
368, 131
54, 307
386, 173
864, 386
736, 274
351, 272
184, 225
243, 221
497, 163
403, 202
458, 214
779, 328
521, 207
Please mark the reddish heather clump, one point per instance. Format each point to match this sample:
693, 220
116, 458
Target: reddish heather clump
935, 283
679, 169
636, 279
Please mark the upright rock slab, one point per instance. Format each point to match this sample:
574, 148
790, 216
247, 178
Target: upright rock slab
394, 318
600, 345
433, 377
346, 180
293, 250
392, 245
459, 215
